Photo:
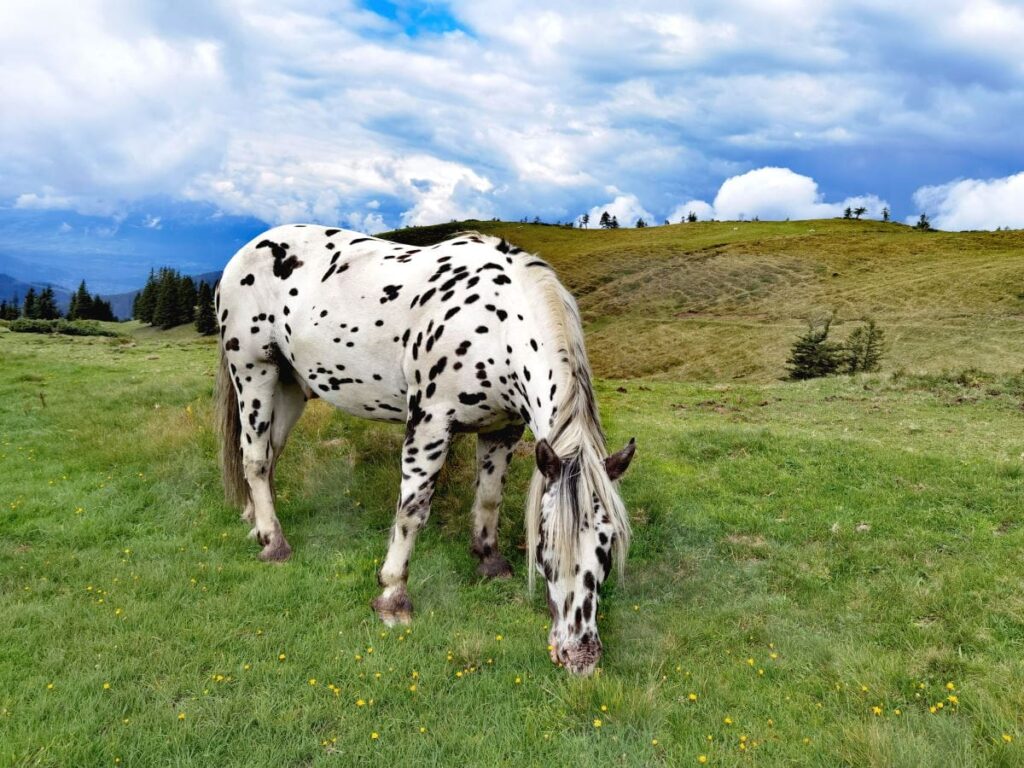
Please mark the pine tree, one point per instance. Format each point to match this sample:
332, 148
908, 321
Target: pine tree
923, 223
614, 224
848, 213
859, 211
30, 308
186, 300
863, 349
691, 217
101, 310
640, 223
167, 312
46, 307
144, 303
206, 317
606, 220
585, 220
81, 304
885, 213
813, 355
13, 309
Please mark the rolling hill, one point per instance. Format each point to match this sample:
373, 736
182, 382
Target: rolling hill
724, 300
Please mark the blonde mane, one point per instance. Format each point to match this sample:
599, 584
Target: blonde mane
578, 440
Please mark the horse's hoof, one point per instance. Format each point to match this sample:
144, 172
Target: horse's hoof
276, 551
394, 609
494, 567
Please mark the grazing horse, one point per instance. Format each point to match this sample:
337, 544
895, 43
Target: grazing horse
469, 335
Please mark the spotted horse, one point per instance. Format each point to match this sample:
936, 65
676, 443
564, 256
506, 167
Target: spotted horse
469, 335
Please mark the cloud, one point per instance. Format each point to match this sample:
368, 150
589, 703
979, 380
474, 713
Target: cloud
151, 222
774, 194
973, 203
312, 110
703, 211
626, 208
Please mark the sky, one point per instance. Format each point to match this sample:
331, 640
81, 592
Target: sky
136, 133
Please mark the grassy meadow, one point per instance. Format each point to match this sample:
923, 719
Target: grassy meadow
823, 573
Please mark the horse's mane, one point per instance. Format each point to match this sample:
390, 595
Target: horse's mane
578, 440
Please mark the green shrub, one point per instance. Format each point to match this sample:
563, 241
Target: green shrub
27, 325
65, 327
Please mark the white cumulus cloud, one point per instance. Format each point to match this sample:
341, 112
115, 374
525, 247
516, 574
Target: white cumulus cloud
774, 194
973, 203
626, 208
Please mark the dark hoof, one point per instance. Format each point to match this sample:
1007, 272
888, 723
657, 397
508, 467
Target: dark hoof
395, 609
494, 567
276, 551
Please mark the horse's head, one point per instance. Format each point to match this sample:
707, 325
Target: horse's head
581, 524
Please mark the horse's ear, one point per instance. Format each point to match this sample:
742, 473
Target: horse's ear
616, 464
547, 460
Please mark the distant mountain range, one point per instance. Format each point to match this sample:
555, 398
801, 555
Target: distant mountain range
120, 303
12, 288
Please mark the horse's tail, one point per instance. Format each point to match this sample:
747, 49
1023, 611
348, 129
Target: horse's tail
229, 428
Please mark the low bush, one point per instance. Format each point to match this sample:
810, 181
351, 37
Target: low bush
65, 327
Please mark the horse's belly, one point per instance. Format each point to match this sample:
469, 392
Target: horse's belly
364, 380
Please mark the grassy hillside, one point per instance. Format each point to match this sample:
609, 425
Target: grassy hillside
724, 300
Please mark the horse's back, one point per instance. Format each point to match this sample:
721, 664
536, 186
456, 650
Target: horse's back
364, 322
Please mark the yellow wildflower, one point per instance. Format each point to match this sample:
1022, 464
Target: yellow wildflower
692, 697
597, 722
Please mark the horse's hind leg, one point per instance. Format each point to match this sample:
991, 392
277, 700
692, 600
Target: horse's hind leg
423, 454
257, 407
493, 454
288, 404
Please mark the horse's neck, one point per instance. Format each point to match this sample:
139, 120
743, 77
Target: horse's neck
547, 398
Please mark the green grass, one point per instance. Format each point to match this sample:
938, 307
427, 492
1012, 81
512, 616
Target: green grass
842, 533
725, 300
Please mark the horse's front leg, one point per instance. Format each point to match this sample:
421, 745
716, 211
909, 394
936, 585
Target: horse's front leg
423, 454
493, 454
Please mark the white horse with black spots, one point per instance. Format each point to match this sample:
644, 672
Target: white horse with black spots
469, 335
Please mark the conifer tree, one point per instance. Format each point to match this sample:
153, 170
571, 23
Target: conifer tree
813, 355
46, 306
81, 304
186, 300
167, 312
206, 318
145, 301
30, 308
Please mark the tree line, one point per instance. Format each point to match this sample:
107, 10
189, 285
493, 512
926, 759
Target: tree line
169, 299
43, 306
